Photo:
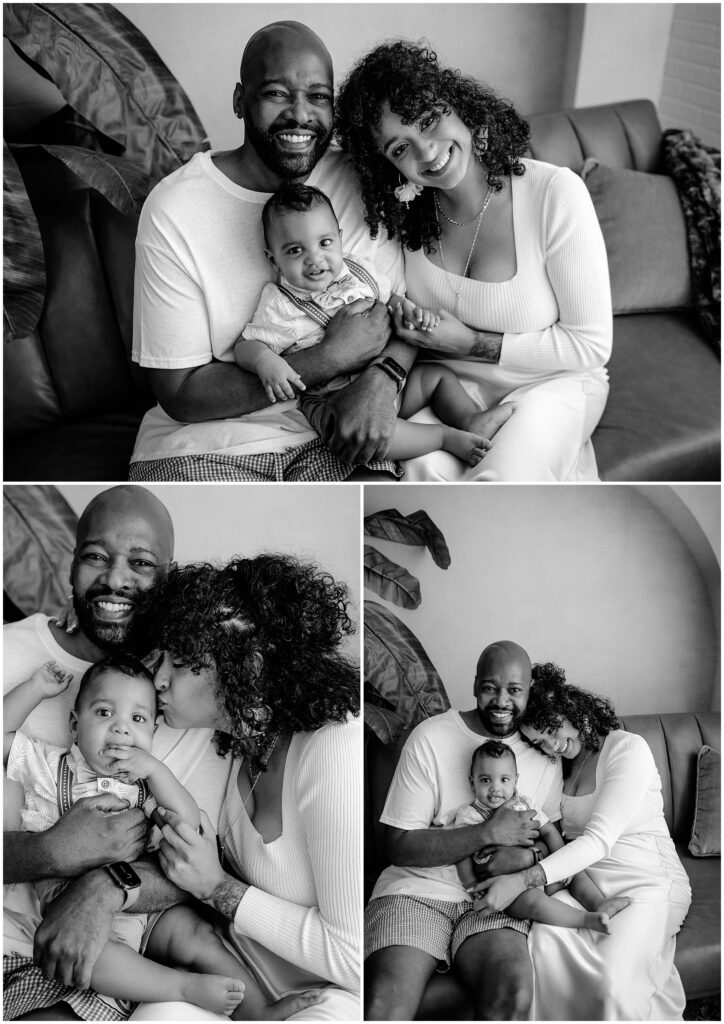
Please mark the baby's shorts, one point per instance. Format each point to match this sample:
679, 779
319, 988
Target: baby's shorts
438, 927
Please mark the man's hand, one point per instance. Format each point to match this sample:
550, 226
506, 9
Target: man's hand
76, 928
504, 860
514, 828
357, 422
356, 334
96, 830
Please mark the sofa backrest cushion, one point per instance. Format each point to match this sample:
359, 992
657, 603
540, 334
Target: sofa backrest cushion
618, 134
675, 741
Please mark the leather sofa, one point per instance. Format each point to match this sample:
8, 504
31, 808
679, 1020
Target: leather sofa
675, 741
662, 419
73, 400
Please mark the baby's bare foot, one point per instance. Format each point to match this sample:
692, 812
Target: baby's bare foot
213, 992
598, 922
489, 422
285, 1007
469, 447
614, 905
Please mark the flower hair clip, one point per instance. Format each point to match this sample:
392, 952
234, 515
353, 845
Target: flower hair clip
406, 192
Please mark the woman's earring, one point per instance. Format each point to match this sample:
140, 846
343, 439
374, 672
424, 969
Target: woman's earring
406, 192
480, 141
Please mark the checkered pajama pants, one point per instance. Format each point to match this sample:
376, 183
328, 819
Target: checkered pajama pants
26, 988
310, 462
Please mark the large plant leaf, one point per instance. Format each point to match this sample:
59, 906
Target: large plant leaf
38, 540
23, 259
416, 529
123, 183
108, 71
398, 668
390, 580
385, 724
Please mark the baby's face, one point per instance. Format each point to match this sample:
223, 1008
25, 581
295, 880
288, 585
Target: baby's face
116, 710
307, 247
494, 780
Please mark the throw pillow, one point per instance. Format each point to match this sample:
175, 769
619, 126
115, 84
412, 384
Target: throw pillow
706, 834
645, 234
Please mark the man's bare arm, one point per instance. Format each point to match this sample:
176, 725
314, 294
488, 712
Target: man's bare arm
216, 390
88, 835
77, 924
436, 847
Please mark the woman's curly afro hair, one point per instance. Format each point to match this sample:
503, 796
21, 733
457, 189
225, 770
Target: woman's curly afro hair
271, 626
409, 78
552, 699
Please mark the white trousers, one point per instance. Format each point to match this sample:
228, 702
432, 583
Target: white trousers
335, 1004
548, 437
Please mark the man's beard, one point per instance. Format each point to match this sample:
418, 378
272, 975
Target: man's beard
286, 165
112, 635
500, 728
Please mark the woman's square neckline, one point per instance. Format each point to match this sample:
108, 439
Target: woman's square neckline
513, 178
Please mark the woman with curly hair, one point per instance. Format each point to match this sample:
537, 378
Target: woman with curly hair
253, 649
614, 827
508, 249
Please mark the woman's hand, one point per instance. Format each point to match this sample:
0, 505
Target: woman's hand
449, 336
494, 894
190, 860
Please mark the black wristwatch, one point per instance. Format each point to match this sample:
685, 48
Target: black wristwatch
126, 879
393, 370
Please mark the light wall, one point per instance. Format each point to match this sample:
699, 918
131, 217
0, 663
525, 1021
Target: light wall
618, 584
215, 521
519, 49
622, 52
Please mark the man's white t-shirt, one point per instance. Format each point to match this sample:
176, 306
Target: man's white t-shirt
431, 782
200, 271
189, 753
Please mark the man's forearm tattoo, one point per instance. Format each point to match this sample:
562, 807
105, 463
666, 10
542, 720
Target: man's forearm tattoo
227, 896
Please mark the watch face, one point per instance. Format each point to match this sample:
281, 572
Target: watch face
394, 365
124, 875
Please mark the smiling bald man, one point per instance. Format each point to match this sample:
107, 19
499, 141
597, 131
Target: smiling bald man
201, 268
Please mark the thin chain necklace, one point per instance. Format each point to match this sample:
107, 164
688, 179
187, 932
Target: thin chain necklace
580, 769
457, 293
266, 758
462, 223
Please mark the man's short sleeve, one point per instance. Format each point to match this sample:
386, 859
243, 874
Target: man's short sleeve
412, 796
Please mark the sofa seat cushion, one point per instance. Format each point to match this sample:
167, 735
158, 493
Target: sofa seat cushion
663, 413
97, 448
698, 944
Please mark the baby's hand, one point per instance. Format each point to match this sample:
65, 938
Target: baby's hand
278, 378
130, 763
412, 317
51, 679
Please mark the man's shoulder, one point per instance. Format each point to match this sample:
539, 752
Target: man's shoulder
335, 167
425, 731
180, 191
25, 631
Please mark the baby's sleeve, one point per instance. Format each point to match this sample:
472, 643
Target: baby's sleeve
275, 321
28, 760
466, 815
